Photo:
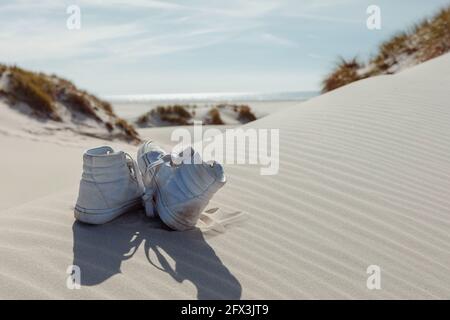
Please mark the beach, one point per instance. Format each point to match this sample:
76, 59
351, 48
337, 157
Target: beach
364, 179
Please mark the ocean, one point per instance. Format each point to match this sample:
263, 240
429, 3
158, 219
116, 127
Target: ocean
131, 107
213, 97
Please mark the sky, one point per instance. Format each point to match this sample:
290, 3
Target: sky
151, 47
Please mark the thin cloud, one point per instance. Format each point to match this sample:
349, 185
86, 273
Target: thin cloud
316, 56
318, 17
44, 42
277, 40
42, 37
149, 4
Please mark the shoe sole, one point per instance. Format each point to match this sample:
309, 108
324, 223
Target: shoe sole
105, 215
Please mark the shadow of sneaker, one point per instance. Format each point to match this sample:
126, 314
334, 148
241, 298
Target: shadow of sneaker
100, 250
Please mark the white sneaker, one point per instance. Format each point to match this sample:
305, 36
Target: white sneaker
110, 185
149, 157
178, 194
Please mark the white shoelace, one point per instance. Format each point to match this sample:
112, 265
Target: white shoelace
134, 169
212, 222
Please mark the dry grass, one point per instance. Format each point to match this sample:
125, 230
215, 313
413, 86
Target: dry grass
344, 73
180, 115
35, 90
176, 114
80, 103
143, 119
130, 133
214, 117
172, 114
392, 50
434, 35
104, 105
40, 92
2, 69
244, 111
245, 114
423, 41
109, 126
179, 110
80, 100
46, 94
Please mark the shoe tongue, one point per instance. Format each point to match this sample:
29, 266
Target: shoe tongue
187, 156
153, 156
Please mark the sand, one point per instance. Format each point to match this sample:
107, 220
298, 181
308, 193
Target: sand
364, 180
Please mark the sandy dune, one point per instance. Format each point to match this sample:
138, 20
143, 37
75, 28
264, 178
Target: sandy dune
364, 179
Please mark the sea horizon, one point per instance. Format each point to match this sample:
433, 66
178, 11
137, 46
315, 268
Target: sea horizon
212, 97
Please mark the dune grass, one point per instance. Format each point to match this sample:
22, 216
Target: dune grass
45, 95
41, 93
425, 40
214, 117
434, 35
34, 90
346, 71
183, 114
130, 133
79, 102
245, 114
172, 114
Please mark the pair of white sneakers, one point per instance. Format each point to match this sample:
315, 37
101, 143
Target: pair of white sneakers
113, 183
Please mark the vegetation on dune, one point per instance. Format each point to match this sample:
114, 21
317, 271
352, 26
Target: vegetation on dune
184, 115
178, 110
34, 90
244, 111
172, 114
391, 51
346, 71
214, 117
130, 133
79, 102
45, 95
245, 114
109, 126
143, 119
423, 41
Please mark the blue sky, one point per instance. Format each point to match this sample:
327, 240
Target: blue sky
140, 46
